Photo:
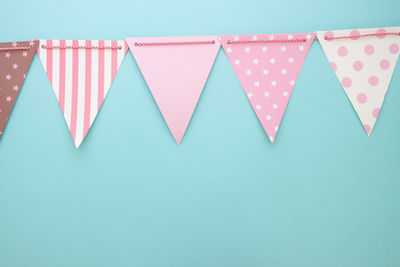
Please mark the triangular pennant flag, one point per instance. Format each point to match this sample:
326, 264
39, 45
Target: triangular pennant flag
363, 61
15, 59
81, 73
267, 67
176, 70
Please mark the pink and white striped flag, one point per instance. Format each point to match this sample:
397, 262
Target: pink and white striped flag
81, 73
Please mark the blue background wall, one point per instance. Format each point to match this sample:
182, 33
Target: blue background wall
324, 194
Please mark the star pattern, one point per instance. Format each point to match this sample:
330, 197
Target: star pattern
13, 66
268, 72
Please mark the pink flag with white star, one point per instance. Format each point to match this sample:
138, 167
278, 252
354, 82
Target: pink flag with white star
267, 67
363, 61
15, 59
176, 70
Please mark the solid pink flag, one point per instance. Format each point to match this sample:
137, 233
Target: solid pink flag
176, 70
267, 67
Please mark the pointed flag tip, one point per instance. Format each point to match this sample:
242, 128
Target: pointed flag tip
77, 145
178, 140
368, 132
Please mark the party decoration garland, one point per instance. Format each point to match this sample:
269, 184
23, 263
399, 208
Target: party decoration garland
176, 70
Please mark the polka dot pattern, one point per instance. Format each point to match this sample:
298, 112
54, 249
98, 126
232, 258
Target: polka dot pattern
328, 34
367, 129
369, 49
357, 65
384, 64
268, 73
375, 112
355, 34
381, 30
373, 81
362, 98
394, 48
342, 51
346, 82
334, 66
364, 67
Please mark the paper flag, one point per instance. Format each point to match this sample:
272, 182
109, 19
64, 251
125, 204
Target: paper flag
267, 67
15, 59
81, 73
364, 67
175, 69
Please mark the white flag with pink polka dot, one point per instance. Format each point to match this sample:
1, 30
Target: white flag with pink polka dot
364, 61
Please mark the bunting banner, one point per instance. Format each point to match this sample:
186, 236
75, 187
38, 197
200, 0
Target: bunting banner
81, 73
364, 61
267, 67
176, 70
15, 59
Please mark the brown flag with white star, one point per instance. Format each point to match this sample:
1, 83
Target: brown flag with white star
15, 59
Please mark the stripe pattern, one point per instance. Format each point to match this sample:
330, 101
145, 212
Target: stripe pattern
81, 78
